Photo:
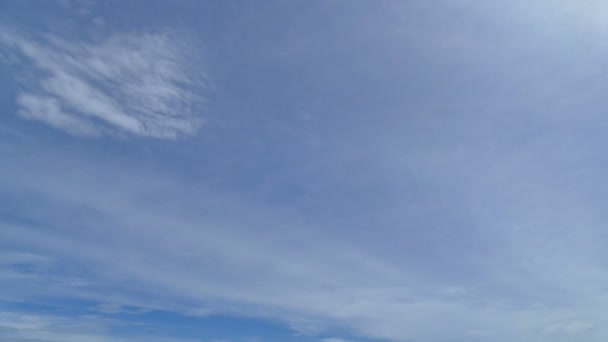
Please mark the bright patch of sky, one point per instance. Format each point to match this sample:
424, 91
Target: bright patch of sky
328, 171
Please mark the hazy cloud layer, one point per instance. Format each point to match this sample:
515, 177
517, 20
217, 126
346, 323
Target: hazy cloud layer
416, 172
254, 259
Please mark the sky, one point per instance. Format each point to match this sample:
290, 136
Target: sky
303, 171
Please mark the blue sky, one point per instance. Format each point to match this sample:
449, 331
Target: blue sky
311, 171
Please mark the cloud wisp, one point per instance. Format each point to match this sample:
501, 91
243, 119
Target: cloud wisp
257, 260
17, 326
138, 84
471, 209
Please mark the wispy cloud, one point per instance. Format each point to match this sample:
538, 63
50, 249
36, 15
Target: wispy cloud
18, 327
139, 84
26, 327
334, 339
112, 308
47, 109
458, 194
252, 259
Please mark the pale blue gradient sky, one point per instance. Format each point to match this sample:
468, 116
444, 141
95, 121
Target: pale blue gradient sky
303, 171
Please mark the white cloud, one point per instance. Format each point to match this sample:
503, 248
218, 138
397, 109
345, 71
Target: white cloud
520, 190
250, 259
24, 327
334, 339
112, 308
18, 327
47, 110
569, 327
140, 84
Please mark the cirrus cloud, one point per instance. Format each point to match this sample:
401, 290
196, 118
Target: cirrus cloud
138, 84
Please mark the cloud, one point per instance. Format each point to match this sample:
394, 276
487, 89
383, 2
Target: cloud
569, 328
483, 218
17, 327
112, 308
48, 110
24, 327
254, 260
138, 84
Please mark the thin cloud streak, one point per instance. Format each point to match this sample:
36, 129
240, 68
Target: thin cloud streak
26, 327
480, 218
177, 259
